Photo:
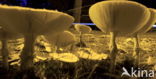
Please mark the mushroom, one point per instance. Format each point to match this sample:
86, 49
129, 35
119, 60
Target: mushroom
144, 29
31, 23
62, 39
118, 17
82, 29
4, 37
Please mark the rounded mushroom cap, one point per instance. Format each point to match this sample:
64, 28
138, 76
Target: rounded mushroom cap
123, 17
82, 28
6, 35
62, 39
150, 23
37, 21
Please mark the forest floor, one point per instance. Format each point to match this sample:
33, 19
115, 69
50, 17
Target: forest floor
90, 62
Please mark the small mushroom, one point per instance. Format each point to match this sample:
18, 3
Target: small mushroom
82, 29
118, 17
62, 39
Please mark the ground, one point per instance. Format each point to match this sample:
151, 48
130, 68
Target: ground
90, 62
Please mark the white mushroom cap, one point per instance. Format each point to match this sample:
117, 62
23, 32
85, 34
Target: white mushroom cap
62, 39
150, 23
37, 21
119, 16
82, 28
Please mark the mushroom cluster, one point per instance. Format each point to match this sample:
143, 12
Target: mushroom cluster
31, 23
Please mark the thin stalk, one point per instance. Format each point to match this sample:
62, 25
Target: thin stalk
57, 46
55, 49
136, 52
72, 48
81, 37
27, 55
5, 54
81, 43
113, 51
76, 74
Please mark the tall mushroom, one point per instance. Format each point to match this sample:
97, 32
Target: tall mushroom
82, 29
144, 29
4, 37
118, 17
31, 23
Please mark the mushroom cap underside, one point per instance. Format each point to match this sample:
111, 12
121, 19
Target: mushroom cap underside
125, 17
37, 21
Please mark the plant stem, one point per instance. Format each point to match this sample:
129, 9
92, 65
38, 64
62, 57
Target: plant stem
27, 55
5, 54
91, 73
81, 37
113, 51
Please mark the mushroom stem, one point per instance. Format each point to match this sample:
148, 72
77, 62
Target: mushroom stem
136, 52
81, 37
113, 51
72, 48
82, 44
5, 54
55, 49
27, 55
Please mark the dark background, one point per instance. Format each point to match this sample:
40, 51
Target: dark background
63, 4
